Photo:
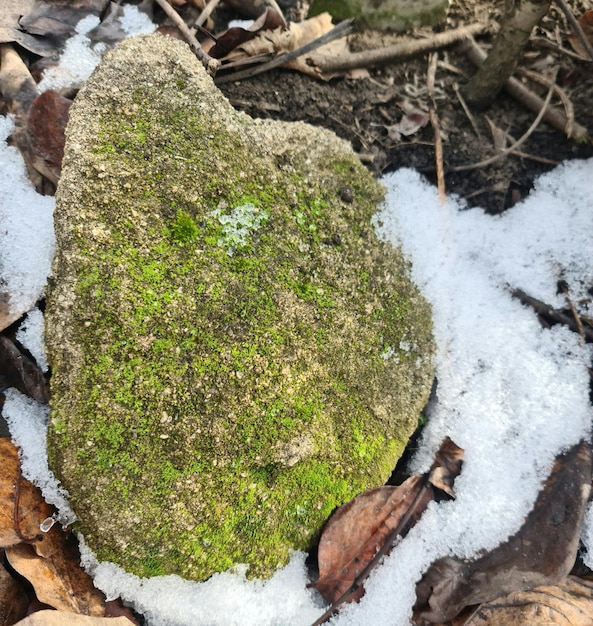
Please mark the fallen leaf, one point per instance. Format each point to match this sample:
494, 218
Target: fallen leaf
236, 37
10, 32
57, 20
13, 599
18, 522
586, 23
58, 579
359, 528
19, 371
46, 121
61, 618
368, 525
542, 552
409, 124
569, 603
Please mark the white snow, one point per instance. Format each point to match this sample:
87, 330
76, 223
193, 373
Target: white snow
512, 394
80, 56
30, 335
26, 229
27, 421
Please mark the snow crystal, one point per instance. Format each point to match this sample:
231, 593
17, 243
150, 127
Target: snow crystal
30, 335
134, 22
80, 57
26, 229
27, 421
226, 599
77, 61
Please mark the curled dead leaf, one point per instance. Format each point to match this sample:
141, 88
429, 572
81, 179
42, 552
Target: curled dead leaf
570, 603
361, 531
586, 23
13, 599
19, 371
542, 552
58, 580
22, 507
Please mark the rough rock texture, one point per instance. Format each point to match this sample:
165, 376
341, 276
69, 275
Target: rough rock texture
234, 352
396, 15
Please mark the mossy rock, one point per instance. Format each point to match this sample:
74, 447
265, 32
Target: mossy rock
395, 15
234, 352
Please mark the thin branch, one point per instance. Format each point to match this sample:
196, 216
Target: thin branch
552, 314
208, 62
206, 12
468, 113
434, 120
403, 50
576, 27
339, 31
566, 102
526, 97
510, 149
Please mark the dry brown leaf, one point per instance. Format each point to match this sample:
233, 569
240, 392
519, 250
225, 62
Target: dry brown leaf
19, 371
586, 23
46, 121
12, 11
360, 529
58, 580
281, 41
21, 522
238, 38
542, 552
61, 618
570, 603
13, 599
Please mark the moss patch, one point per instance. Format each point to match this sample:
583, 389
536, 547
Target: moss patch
225, 331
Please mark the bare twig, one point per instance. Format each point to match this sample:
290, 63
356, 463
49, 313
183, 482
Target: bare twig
566, 103
468, 113
341, 30
576, 27
526, 97
519, 142
208, 62
403, 50
206, 12
434, 120
553, 314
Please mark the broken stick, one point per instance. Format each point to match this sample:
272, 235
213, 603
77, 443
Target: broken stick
404, 50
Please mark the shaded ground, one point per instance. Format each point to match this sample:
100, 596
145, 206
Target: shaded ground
361, 111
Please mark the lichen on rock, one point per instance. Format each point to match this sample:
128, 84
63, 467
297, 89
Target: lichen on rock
234, 352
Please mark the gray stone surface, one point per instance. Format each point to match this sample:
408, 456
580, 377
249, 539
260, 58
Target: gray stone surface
234, 352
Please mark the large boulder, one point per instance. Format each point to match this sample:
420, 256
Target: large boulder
234, 352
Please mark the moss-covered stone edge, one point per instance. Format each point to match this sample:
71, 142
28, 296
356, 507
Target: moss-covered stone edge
115, 443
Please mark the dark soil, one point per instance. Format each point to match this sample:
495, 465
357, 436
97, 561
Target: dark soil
361, 111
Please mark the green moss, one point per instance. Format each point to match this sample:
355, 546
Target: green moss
231, 368
184, 229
